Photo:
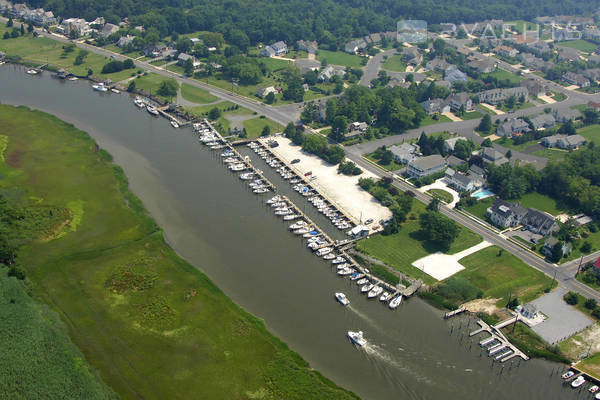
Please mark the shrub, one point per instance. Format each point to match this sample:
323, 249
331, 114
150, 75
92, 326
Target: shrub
590, 304
571, 298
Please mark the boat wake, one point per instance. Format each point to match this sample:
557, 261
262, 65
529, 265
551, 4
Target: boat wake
378, 352
364, 317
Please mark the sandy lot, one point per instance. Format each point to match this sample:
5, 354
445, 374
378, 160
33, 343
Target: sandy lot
481, 305
441, 266
453, 117
547, 99
341, 190
494, 109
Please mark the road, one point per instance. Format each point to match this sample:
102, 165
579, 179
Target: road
288, 113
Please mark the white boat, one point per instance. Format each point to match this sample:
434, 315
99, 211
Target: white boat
362, 281
568, 374
152, 110
302, 231
342, 266
376, 291
231, 160
594, 389
274, 199
341, 297
357, 276
297, 225
139, 102
339, 260
73, 78
345, 271
291, 217
247, 176
283, 213
357, 338
580, 380
395, 302
32, 71
597, 396
385, 296
115, 90
323, 251
329, 256
366, 287
99, 87
174, 124
260, 190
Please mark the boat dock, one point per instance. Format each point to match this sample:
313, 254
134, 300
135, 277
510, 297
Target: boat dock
453, 313
497, 344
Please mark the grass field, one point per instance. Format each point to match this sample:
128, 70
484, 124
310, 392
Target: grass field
480, 207
579, 44
393, 166
43, 50
441, 194
591, 133
395, 63
500, 275
401, 249
429, 120
153, 326
254, 126
502, 74
38, 358
196, 95
533, 199
339, 58
274, 64
550, 154
150, 83
471, 115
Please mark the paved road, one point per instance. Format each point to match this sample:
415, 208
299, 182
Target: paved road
372, 68
284, 114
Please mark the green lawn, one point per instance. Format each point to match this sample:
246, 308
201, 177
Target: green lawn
502, 74
254, 126
580, 44
550, 154
150, 83
429, 120
393, 166
395, 63
479, 209
196, 94
559, 96
441, 194
274, 64
134, 307
471, 115
401, 249
591, 133
534, 199
339, 58
499, 274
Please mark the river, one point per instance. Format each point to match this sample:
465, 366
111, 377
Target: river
211, 219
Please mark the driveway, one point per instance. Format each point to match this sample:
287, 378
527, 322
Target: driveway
441, 184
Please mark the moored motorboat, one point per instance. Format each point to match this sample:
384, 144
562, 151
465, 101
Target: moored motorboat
568, 374
291, 217
174, 124
139, 102
301, 231
362, 281
395, 302
115, 90
329, 256
152, 110
345, 271
357, 338
33, 71
376, 291
580, 380
339, 260
324, 251
297, 225
385, 296
365, 288
357, 276
342, 299
99, 87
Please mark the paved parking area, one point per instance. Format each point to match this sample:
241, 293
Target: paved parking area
563, 320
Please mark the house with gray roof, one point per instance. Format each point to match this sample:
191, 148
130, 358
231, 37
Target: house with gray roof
534, 87
275, 49
437, 64
491, 156
310, 47
355, 46
504, 214
108, 29
541, 222
576, 79
453, 74
566, 114
496, 96
412, 56
425, 166
566, 142
464, 183
512, 127
405, 152
435, 106
542, 121
460, 100
483, 66
449, 143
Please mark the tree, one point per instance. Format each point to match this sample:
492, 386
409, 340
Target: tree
387, 157
434, 204
131, 86
214, 113
290, 130
486, 124
339, 128
30, 27
188, 69
128, 64
168, 88
270, 98
509, 154
90, 72
6, 35
590, 304
80, 57
486, 143
571, 298
586, 247
438, 228
8, 253
266, 131
9, 23
73, 33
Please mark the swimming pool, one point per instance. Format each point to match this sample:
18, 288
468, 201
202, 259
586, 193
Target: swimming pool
482, 194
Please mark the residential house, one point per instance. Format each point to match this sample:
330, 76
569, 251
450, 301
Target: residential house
591, 34
405, 153
542, 121
454, 162
460, 100
19, 10
157, 50
5, 5
534, 87
125, 40
594, 105
505, 214
567, 54
551, 242
566, 142
425, 166
329, 72
453, 74
593, 74
79, 24
540, 222
310, 47
581, 219
437, 64
576, 79
443, 83
506, 51
262, 92
483, 66
435, 106
412, 56
40, 17
529, 311
491, 156
595, 58
275, 49
512, 126
464, 183
566, 114
182, 59
540, 47
355, 46
496, 96
474, 169
108, 29
449, 143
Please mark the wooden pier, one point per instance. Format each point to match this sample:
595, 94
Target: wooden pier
503, 343
453, 313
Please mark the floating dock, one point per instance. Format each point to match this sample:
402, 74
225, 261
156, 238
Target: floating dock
503, 343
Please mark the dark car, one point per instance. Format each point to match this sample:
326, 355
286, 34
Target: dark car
295, 161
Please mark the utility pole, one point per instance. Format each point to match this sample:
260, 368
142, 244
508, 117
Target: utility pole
579, 267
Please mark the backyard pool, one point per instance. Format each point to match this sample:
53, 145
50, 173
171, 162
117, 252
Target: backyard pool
482, 194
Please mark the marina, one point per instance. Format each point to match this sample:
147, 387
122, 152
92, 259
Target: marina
204, 213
